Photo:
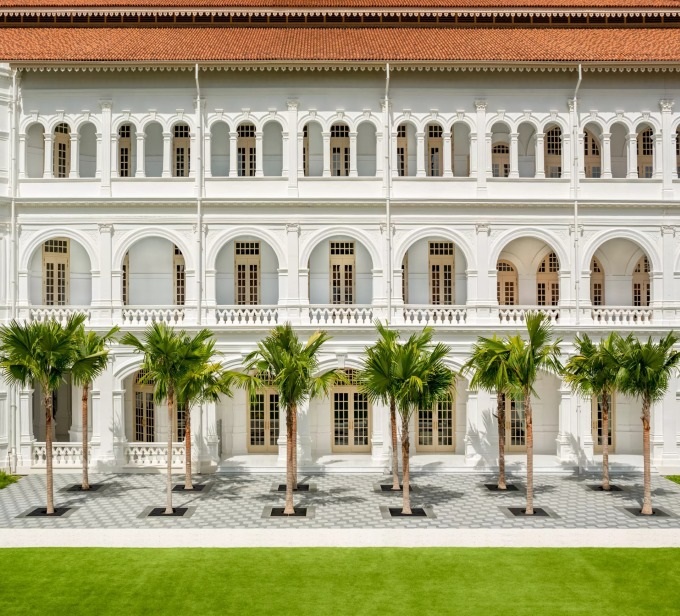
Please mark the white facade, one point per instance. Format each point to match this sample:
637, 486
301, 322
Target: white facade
265, 202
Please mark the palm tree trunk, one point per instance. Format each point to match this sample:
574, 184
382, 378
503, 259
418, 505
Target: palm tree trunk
406, 507
187, 450
48, 450
171, 414
295, 453
646, 454
605, 442
86, 481
500, 413
528, 417
395, 456
289, 509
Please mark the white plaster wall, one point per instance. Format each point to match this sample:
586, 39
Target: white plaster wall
87, 151
319, 273
151, 272
627, 425
546, 407
618, 258
461, 150
80, 282
35, 151
219, 150
525, 254
315, 149
224, 277
366, 149
272, 149
153, 150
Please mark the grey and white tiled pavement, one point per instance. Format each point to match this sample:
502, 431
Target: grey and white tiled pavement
346, 512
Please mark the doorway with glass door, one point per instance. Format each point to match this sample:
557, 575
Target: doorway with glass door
263, 422
515, 426
597, 424
435, 427
350, 417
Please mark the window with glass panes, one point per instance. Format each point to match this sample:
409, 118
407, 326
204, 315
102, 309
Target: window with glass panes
55, 258
246, 150
596, 283
442, 270
305, 150
677, 153
547, 281
180, 277
181, 146
263, 418
125, 279
591, 155
247, 267
124, 150
641, 283
500, 160
402, 151
145, 425
351, 416
62, 151
506, 283
342, 265
435, 150
404, 279
598, 424
340, 150
515, 425
553, 153
645, 149
435, 427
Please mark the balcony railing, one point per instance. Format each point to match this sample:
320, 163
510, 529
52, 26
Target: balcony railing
337, 314
153, 455
61, 314
434, 315
247, 315
139, 316
515, 315
64, 455
621, 315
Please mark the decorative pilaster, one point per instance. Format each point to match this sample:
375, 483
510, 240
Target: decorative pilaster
353, 155
293, 164
233, 154
540, 155
259, 170
75, 158
141, 156
48, 168
482, 154
420, 155
448, 163
326, 154
632, 157
606, 156
167, 155
664, 164
514, 155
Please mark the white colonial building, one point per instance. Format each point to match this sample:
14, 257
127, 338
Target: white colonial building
238, 165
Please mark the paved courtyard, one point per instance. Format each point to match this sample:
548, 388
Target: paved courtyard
458, 501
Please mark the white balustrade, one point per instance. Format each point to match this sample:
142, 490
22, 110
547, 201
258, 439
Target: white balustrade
621, 315
61, 314
64, 455
516, 315
145, 315
434, 315
341, 315
152, 455
247, 315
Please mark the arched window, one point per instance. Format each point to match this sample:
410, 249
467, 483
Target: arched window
547, 281
125, 151
553, 153
591, 155
339, 150
263, 418
596, 283
500, 160
645, 153
506, 283
641, 284
350, 416
145, 420
402, 151
436, 426
180, 284
247, 268
442, 270
62, 151
56, 272
246, 153
435, 150
181, 147
125, 279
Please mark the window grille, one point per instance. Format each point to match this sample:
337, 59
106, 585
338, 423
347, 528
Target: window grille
55, 272
247, 255
342, 272
180, 277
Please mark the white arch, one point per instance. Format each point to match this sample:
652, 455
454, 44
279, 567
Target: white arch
432, 232
80, 121
315, 239
564, 127
651, 121
636, 237
404, 119
337, 118
309, 117
531, 120
53, 122
120, 121
39, 238
146, 121
624, 121
224, 237
175, 119
597, 120
29, 121
132, 237
215, 119
124, 368
535, 232
275, 117
472, 127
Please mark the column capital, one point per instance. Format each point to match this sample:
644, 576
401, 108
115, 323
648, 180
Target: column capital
106, 228
292, 104
668, 230
666, 105
483, 227
480, 104
293, 227
105, 104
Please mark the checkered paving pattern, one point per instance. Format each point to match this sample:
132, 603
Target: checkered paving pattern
341, 501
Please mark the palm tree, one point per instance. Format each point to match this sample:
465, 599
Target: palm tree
206, 381
378, 382
422, 380
592, 373
90, 361
168, 357
292, 365
644, 372
42, 353
488, 364
526, 359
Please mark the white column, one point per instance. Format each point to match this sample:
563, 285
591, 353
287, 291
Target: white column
473, 423
514, 155
140, 172
482, 154
49, 153
294, 164
326, 154
632, 156
75, 158
488, 142
661, 170
448, 167
669, 301
106, 156
233, 154
304, 443
473, 155
606, 156
207, 157
25, 427
103, 294
566, 432
167, 154
420, 155
540, 158
292, 296
580, 155
381, 438
194, 156
113, 158
259, 172
353, 155
567, 159
100, 152
285, 154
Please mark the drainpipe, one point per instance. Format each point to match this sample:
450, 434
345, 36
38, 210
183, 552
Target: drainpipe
199, 200
388, 190
13, 177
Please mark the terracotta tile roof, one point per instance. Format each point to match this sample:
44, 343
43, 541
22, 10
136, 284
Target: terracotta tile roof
339, 4
269, 45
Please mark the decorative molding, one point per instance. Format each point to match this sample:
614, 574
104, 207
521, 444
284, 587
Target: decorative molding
292, 104
666, 105
106, 228
480, 105
668, 230
293, 227
483, 227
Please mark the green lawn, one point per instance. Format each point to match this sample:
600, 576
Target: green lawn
334, 582
6, 479
674, 478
